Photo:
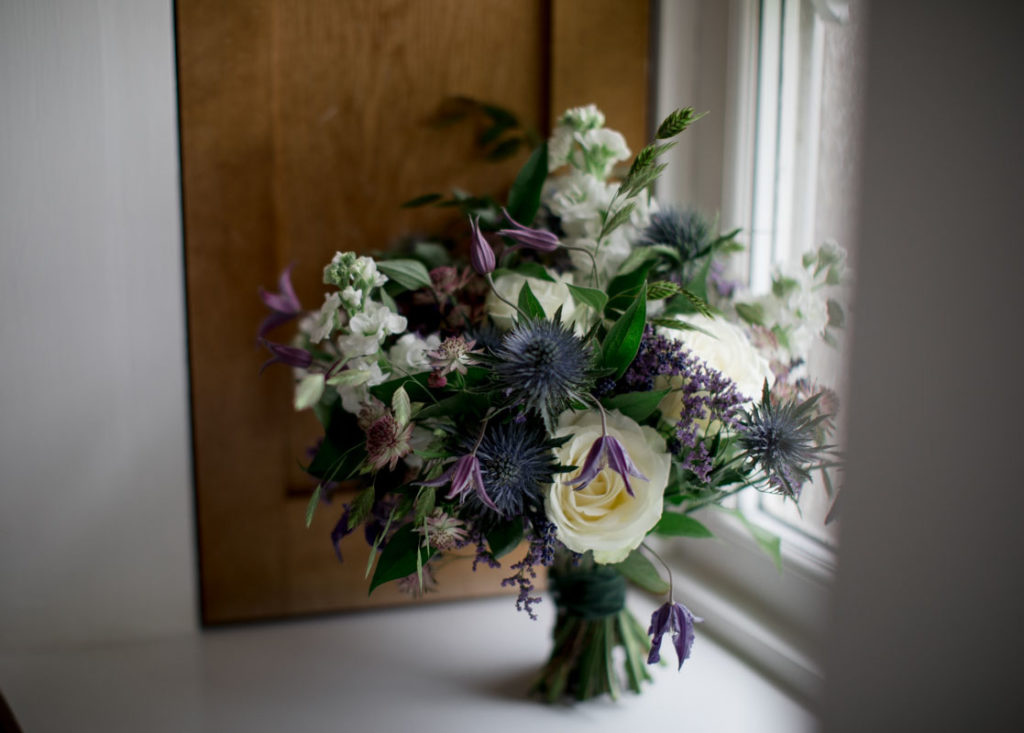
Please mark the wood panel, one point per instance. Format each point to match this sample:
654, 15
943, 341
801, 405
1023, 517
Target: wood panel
304, 125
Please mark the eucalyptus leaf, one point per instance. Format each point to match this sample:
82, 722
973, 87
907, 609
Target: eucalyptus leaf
308, 391
410, 274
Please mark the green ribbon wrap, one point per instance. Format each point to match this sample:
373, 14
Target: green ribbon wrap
589, 593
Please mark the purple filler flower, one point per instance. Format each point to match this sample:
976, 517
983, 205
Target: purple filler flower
531, 238
674, 617
284, 305
480, 253
607, 452
465, 477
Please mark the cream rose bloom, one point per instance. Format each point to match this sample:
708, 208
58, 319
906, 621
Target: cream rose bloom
725, 347
550, 295
603, 517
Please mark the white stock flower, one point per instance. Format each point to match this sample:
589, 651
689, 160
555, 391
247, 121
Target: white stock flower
377, 320
550, 295
354, 396
409, 354
603, 517
327, 319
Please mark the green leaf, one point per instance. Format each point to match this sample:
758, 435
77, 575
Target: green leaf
636, 405
596, 299
524, 196
641, 571
309, 390
431, 254
424, 504
621, 344
414, 384
528, 302
674, 524
768, 541
624, 289
752, 313
505, 537
410, 274
401, 406
313, 501
399, 557
349, 377
836, 317
427, 198
505, 149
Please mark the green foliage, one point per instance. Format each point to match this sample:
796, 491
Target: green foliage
623, 340
614, 221
636, 405
673, 524
338, 457
524, 196
505, 537
676, 122
769, 542
410, 274
641, 571
527, 269
427, 198
528, 302
596, 299
752, 313
313, 501
401, 557
424, 504
361, 507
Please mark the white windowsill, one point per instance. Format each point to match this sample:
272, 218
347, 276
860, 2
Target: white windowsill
445, 667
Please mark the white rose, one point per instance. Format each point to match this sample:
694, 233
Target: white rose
724, 346
603, 517
550, 295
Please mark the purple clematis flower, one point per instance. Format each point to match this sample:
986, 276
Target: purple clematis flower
290, 355
284, 305
674, 617
480, 253
607, 452
532, 238
465, 477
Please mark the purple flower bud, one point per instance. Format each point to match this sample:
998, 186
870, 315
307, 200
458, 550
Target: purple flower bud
532, 238
676, 618
290, 355
284, 305
480, 253
607, 452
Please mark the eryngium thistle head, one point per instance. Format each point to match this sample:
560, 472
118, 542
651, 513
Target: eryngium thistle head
516, 462
779, 439
684, 230
544, 367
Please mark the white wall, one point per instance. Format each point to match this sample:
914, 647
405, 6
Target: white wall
928, 625
96, 538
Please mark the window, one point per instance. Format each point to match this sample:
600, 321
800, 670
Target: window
777, 159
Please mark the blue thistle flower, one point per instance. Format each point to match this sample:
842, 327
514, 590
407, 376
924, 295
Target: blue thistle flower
779, 438
685, 231
544, 367
516, 462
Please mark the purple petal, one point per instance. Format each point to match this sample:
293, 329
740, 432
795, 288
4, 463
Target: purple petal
682, 631
481, 492
620, 462
538, 239
290, 355
462, 476
592, 465
659, 625
284, 304
480, 253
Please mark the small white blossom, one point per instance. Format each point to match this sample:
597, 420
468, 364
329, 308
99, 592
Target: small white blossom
352, 298
409, 354
327, 319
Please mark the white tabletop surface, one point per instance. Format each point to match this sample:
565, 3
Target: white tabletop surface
452, 667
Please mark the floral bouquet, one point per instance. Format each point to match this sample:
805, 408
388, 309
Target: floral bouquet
589, 378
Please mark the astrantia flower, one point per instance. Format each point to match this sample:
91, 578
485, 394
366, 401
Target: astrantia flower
454, 354
544, 367
410, 585
674, 617
444, 531
778, 437
387, 441
516, 463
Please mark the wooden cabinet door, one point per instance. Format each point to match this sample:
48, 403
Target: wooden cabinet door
303, 127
